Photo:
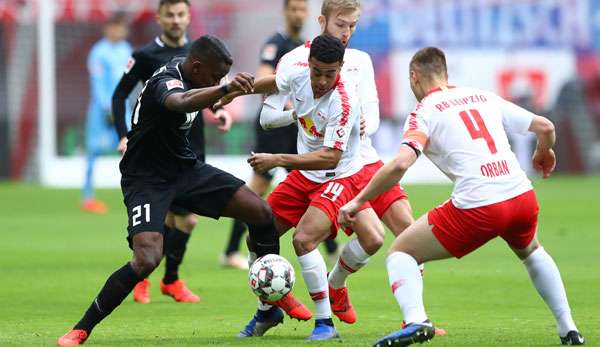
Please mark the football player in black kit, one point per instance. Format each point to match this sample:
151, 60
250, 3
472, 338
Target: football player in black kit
278, 140
173, 16
159, 168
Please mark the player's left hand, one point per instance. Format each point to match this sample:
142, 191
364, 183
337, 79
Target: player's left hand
363, 126
262, 162
544, 160
224, 118
347, 213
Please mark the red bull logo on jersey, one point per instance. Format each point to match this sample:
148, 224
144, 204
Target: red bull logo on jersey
309, 126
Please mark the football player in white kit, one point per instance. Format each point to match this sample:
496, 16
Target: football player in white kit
339, 19
327, 172
463, 132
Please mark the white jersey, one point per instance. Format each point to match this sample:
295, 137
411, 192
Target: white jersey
358, 73
329, 121
463, 132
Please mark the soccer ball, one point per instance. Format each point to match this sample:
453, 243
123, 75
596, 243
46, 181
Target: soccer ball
271, 277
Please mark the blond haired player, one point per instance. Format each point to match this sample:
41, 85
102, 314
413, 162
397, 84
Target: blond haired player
463, 132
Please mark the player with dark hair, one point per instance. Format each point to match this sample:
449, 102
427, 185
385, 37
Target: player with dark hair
326, 172
280, 140
173, 16
159, 168
463, 132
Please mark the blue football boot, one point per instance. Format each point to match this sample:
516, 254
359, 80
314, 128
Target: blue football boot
411, 333
262, 321
324, 330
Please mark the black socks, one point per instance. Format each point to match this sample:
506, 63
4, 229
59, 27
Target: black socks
115, 290
237, 231
174, 249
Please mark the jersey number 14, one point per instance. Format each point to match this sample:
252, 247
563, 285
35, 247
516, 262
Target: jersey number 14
479, 132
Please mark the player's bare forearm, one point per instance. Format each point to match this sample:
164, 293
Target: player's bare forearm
323, 159
544, 130
265, 85
388, 175
194, 99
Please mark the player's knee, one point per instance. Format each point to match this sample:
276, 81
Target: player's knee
145, 262
303, 243
190, 221
372, 244
262, 215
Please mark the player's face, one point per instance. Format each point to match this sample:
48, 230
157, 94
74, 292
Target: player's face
340, 24
115, 32
174, 20
296, 13
323, 76
208, 74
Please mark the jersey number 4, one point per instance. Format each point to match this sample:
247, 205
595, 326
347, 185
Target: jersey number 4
479, 132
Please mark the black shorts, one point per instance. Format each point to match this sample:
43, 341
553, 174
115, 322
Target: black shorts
278, 140
202, 189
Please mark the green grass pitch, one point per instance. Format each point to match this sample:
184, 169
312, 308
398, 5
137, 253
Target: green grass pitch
54, 259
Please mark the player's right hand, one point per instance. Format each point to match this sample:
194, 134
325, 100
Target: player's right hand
544, 160
347, 213
243, 82
122, 147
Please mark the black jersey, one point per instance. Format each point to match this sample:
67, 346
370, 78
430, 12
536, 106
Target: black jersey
276, 47
158, 144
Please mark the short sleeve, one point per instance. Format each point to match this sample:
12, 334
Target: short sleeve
283, 79
270, 51
338, 129
165, 86
514, 118
416, 129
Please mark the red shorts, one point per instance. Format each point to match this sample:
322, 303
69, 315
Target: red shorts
461, 231
381, 203
291, 198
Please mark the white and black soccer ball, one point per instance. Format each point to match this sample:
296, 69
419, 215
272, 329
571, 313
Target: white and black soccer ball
271, 277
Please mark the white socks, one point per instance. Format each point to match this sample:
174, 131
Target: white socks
314, 272
407, 284
546, 278
353, 258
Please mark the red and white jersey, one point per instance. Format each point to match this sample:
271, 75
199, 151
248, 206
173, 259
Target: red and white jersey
329, 121
359, 75
463, 132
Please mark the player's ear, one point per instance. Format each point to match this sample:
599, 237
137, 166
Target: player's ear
322, 23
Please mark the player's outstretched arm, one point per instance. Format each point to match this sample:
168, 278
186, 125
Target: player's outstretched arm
384, 179
265, 85
544, 159
197, 99
324, 159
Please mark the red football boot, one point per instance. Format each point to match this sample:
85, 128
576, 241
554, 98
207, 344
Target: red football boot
293, 307
179, 291
341, 306
74, 337
94, 206
140, 292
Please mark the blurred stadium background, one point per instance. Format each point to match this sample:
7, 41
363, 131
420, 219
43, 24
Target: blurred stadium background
543, 54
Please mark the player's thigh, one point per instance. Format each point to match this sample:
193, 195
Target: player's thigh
313, 228
368, 230
208, 191
523, 253
260, 183
186, 222
147, 203
419, 241
398, 216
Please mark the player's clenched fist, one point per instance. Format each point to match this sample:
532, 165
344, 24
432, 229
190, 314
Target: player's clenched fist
347, 213
544, 161
262, 162
242, 82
